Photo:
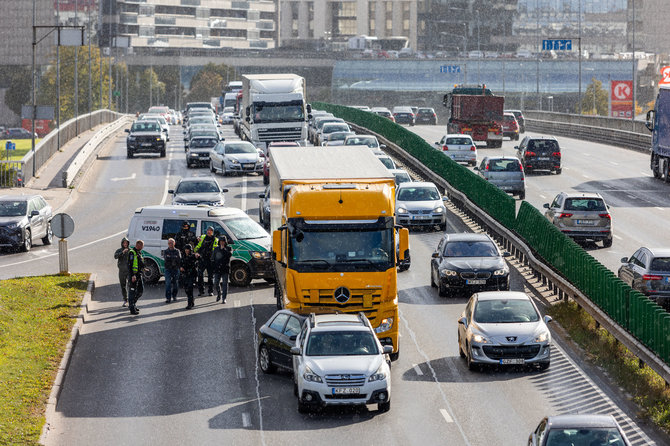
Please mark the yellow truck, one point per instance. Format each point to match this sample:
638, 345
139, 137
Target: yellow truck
335, 244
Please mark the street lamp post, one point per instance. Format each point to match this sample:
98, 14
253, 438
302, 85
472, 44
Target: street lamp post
479, 52
634, 71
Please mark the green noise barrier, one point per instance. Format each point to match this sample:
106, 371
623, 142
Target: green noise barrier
632, 310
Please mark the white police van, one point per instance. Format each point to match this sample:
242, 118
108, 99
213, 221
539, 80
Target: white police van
250, 243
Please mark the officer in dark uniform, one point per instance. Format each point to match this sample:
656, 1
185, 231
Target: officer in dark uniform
185, 237
135, 283
203, 251
189, 270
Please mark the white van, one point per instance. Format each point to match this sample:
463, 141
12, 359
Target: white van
250, 243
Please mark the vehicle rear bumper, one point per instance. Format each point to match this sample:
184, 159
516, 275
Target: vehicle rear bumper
587, 235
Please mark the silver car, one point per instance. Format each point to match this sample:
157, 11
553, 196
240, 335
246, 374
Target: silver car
504, 172
364, 140
581, 216
236, 157
337, 138
420, 204
587, 429
401, 176
460, 148
503, 328
24, 219
328, 128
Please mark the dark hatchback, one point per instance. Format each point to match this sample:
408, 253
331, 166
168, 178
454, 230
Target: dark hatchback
275, 339
648, 271
198, 150
23, 220
426, 116
145, 137
539, 153
466, 263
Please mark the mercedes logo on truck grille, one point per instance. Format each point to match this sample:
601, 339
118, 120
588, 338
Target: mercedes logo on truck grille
342, 295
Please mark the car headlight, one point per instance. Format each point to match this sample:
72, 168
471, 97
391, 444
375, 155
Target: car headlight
448, 272
234, 161
131, 139
542, 337
401, 211
12, 225
260, 254
439, 209
500, 272
479, 339
160, 138
378, 375
311, 376
193, 154
386, 325
218, 203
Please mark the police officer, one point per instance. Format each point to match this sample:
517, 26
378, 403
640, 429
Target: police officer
135, 268
203, 251
185, 237
172, 257
121, 256
189, 265
221, 267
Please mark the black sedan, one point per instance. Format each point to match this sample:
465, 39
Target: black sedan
264, 208
466, 263
648, 271
275, 339
584, 429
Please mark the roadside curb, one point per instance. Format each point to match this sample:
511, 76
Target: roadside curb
65, 361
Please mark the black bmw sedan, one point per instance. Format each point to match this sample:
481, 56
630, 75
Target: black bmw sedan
466, 263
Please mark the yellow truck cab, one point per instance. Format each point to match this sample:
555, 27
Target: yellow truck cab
333, 234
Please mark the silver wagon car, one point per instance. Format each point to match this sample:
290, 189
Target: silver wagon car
504, 172
582, 216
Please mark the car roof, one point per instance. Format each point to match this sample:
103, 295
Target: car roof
502, 295
194, 179
330, 321
581, 420
552, 138
18, 197
416, 184
490, 158
658, 252
398, 171
457, 135
582, 195
467, 236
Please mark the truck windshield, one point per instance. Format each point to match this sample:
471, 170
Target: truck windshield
332, 250
278, 112
663, 118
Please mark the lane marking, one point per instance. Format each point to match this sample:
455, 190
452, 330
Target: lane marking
246, 419
659, 208
446, 416
132, 177
617, 237
240, 373
243, 205
236, 304
644, 174
585, 176
417, 370
258, 382
613, 163
165, 191
543, 197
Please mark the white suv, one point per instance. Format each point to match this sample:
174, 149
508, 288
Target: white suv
338, 360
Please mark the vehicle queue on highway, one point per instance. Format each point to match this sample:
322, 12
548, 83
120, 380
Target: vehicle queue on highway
285, 340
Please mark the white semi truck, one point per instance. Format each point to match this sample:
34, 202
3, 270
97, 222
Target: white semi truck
273, 109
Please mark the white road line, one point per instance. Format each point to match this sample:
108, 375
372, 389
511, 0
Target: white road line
543, 197
243, 205
613, 163
446, 416
165, 191
236, 304
417, 370
617, 237
660, 209
585, 176
246, 419
258, 382
644, 174
132, 177
240, 373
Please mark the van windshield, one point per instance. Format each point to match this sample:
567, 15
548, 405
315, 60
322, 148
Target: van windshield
244, 228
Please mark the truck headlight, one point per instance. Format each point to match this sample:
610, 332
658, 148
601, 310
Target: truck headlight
311, 376
378, 375
260, 254
386, 325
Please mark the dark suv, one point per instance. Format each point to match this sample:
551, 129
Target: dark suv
145, 137
24, 219
648, 271
539, 153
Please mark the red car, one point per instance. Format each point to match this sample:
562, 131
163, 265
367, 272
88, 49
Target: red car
510, 126
266, 166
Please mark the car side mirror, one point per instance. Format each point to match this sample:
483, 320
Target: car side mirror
624, 259
388, 349
547, 319
506, 253
651, 115
261, 195
516, 147
435, 255
545, 205
34, 213
171, 191
224, 190
127, 130
293, 338
295, 351
476, 168
437, 143
463, 321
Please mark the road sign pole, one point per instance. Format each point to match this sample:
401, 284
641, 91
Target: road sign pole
62, 257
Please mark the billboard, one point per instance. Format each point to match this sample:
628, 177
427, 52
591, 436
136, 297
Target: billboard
621, 99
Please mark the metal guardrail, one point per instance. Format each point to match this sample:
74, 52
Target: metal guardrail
526, 255
10, 173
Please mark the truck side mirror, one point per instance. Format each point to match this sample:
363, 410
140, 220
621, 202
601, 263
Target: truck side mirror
651, 117
403, 234
276, 245
308, 107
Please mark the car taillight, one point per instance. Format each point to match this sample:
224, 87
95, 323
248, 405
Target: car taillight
529, 153
521, 167
434, 115
473, 149
558, 154
564, 215
651, 277
445, 148
605, 216
487, 168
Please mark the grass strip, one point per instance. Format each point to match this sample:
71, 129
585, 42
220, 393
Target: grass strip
23, 146
36, 317
647, 388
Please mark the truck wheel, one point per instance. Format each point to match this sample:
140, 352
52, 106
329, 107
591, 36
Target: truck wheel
151, 273
240, 275
654, 166
162, 154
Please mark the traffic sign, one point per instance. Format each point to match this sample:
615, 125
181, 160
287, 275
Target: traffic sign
10, 145
116, 93
665, 76
557, 44
62, 225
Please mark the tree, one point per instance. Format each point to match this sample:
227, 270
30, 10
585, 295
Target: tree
205, 87
594, 100
19, 89
145, 89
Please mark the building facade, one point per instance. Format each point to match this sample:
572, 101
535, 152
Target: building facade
17, 33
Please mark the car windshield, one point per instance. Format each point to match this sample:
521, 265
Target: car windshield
418, 194
240, 148
341, 343
584, 204
543, 145
587, 436
200, 120
331, 128
402, 177
362, 141
504, 165
338, 136
203, 142
244, 228
387, 162
197, 187
501, 311
479, 248
205, 133
145, 127
458, 141
13, 208
425, 111
660, 264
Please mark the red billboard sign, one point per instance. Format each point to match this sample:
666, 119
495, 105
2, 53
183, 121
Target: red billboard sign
621, 98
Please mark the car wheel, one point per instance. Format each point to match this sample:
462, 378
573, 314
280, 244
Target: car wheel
384, 407
129, 154
607, 243
295, 387
188, 165
162, 154
264, 360
472, 366
442, 291
443, 227
151, 273
432, 282
266, 180
303, 407
240, 275
211, 167
461, 353
522, 195
223, 169
558, 171
48, 238
544, 365
27, 241
394, 356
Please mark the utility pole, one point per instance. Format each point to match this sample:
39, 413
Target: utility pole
76, 74
537, 58
58, 78
579, 47
634, 72
90, 79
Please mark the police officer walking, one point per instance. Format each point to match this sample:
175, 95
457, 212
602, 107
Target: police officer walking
172, 257
221, 267
135, 283
121, 256
204, 252
189, 265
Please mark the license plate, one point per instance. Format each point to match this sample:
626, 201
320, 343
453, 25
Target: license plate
147, 144
204, 155
586, 222
475, 282
421, 217
512, 361
346, 390
543, 158
248, 166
